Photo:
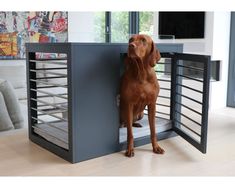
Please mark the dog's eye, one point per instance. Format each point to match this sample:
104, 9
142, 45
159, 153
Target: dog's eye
131, 40
143, 40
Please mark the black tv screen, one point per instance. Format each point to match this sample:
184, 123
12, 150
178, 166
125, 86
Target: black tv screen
183, 25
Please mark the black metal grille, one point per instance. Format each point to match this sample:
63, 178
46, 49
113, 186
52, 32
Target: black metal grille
190, 97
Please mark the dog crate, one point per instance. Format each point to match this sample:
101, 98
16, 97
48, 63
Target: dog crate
73, 98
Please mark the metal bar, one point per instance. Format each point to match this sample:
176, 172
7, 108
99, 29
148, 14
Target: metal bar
189, 108
160, 96
192, 57
54, 110
188, 128
189, 98
159, 63
198, 91
48, 72
51, 77
162, 113
45, 113
205, 106
163, 72
44, 87
49, 104
174, 63
53, 62
191, 78
54, 68
188, 118
30, 94
47, 83
160, 104
164, 88
162, 80
53, 59
107, 27
193, 68
133, 22
188, 138
50, 94
161, 118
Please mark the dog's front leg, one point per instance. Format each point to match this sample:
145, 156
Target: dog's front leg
130, 139
151, 117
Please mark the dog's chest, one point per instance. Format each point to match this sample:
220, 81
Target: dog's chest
143, 92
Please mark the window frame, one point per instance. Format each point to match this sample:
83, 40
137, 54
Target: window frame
133, 25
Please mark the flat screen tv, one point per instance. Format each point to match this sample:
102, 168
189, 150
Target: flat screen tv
183, 25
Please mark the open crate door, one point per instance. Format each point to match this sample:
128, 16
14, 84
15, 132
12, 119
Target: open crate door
190, 80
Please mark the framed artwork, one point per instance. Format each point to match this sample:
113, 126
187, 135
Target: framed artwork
17, 28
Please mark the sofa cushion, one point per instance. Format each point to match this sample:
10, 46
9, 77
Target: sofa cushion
21, 93
12, 104
15, 74
5, 120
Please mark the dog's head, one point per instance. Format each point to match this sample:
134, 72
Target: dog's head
142, 47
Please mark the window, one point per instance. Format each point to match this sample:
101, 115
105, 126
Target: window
99, 26
119, 26
146, 23
87, 27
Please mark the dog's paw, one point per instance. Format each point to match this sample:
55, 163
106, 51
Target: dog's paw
158, 150
130, 153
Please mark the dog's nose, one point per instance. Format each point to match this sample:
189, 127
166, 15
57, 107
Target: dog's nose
132, 45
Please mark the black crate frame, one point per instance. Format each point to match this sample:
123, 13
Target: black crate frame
83, 148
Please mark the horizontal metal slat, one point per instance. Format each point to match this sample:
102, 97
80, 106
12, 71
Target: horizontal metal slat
47, 61
51, 94
49, 114
163, 72
191, 67
56, 105
163, 80
198, 91
54, 68
182, 124
189, 77
189, 108
160, 104
163, 113
164, 88
48, 72
48, 83
160, 96
188, 118
189, 98
51, 77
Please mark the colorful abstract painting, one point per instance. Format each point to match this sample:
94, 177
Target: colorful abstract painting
17, 28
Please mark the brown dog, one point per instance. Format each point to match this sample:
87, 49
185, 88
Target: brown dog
139, 88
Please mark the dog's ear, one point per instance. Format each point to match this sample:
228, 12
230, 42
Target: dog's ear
154, 55
127, 62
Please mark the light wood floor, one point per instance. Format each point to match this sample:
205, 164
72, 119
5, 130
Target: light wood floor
20, 157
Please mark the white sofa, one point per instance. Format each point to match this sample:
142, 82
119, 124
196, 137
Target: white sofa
16, 75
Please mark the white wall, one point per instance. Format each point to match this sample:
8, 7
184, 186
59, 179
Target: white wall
220, 51
81, 27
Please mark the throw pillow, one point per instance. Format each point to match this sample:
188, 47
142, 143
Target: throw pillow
12, 104
5, 120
